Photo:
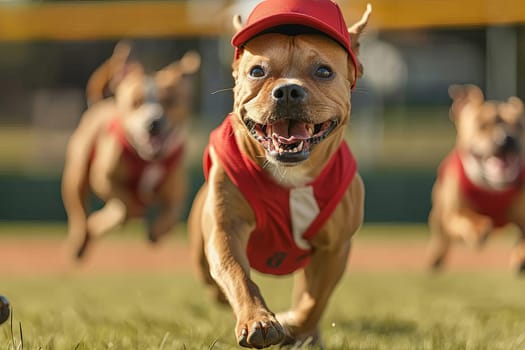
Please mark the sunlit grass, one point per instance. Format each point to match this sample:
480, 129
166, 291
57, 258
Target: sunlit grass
372, 310
368, 311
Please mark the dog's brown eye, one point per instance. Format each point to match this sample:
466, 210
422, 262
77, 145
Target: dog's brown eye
257, 72
137, 102
484, 125
323, 72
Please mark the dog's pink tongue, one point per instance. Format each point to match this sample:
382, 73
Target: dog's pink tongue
290, 131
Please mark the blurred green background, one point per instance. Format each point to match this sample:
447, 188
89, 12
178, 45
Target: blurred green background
399, 130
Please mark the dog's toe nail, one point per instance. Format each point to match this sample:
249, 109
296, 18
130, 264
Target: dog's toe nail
256, 337
242, 339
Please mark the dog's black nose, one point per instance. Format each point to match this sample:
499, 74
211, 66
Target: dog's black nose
509, 143
289, 94
155, 127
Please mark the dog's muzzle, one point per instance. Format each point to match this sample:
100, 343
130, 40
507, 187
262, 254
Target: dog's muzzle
288, 135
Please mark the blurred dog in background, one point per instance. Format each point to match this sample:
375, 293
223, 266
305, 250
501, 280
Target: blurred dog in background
481, 184
128, 148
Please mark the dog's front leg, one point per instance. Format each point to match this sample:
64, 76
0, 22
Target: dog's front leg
110, 216
75, 194
455, 217
227, 222
313, 287
163, 221
316, 282
440, 242
517, 258
119, 201
465, 224
170, 200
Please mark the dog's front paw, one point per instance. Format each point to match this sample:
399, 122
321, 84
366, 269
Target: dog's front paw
151, 236
77, 244
80, 250
296, 337
260, 331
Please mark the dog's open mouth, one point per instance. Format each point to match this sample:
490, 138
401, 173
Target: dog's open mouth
156, 142
290, 141
500, 169
152, 147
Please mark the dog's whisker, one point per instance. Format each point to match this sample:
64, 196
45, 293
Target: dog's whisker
221, 90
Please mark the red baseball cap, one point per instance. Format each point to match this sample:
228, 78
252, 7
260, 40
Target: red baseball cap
322, 15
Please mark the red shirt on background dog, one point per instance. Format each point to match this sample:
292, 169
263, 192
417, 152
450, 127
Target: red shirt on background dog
145, 175
493, 203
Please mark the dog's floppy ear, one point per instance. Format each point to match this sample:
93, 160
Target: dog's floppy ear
463, 95
190, 62
355, 32
105, 79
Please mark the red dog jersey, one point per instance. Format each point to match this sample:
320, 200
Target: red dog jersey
138, 167
286, 218
492, 203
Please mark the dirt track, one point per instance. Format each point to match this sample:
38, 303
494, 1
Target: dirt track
28, 256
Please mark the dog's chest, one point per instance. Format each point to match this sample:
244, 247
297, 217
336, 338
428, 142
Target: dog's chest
146, 177
151, 178
303, 211
287, 219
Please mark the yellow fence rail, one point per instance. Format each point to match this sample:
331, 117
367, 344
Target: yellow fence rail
116, 19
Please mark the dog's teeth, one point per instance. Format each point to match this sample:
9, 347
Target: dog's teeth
310, 129
275, 142
295, 150
300, 147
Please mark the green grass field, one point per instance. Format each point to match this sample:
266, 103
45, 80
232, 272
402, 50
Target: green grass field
368, 311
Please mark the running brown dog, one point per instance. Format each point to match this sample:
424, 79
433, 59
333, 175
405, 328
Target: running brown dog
282, 193
480, 184
128, 151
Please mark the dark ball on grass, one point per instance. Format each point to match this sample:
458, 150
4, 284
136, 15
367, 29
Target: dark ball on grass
4, 309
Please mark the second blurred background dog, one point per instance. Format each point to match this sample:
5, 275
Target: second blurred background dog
480, 183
